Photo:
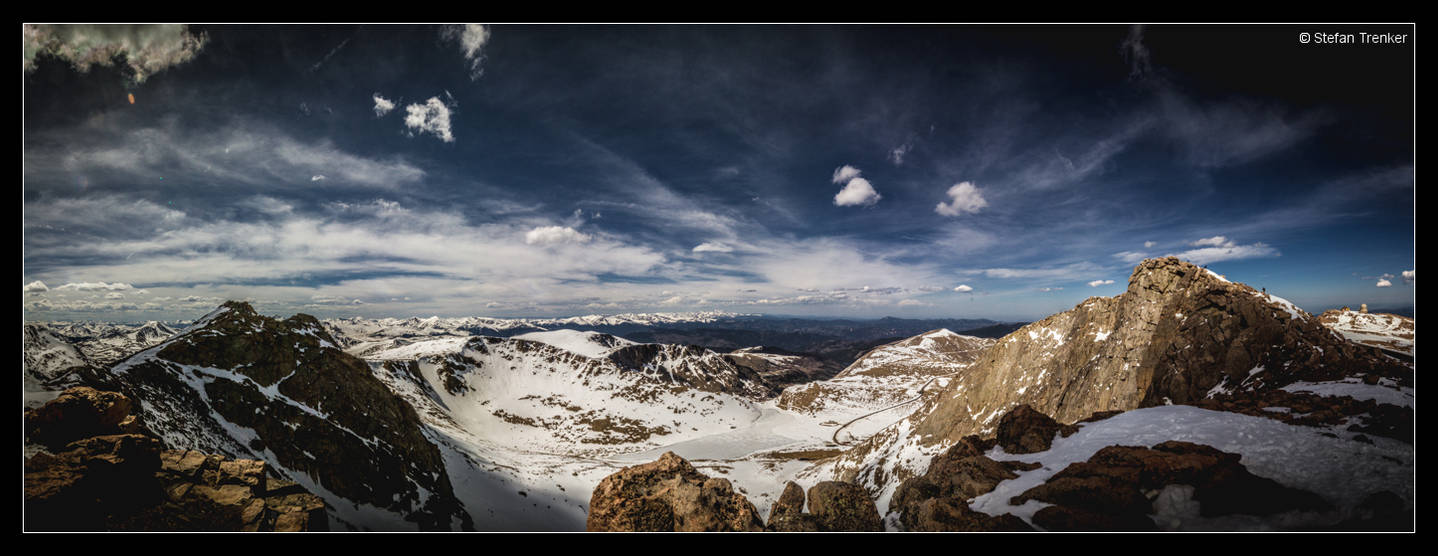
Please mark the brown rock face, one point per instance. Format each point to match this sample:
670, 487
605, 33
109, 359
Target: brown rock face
843, 507
669, 495
937, 500
1023, 430
79, 412
129, 482
1176, 333
1113, 488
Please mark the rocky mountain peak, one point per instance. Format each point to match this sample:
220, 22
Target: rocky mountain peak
1178, 334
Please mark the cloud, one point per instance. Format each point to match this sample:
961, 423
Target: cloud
1097, 283
1149, 244
714, 247
1130, 257
1407, 276
912, 303
858, 192
36, 287
1220, 248
233, 153
845, 173
95, 286
964, 197
317, 177
1215, 241
1384, 283
897, 154
1052, 289
1136, 54
471, 38
382, 106
144, 49
550, 235
432, 117
963, 288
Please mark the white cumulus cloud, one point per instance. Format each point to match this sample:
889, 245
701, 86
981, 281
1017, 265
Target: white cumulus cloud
963, 197
1097, 283
845, 173
963, 288
432, 117
36, 287
1407, 276
1384, 283
550, 235
382, 106
1215, 241
858, 192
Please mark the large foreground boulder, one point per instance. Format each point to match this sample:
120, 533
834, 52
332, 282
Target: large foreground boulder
129, 482
669, 494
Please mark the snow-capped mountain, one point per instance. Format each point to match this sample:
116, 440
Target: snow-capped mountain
358, 329
244, 385
104, 343
1393, 333
51, 364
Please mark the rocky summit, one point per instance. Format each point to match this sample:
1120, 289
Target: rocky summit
1178, 334
669, 494
95, 468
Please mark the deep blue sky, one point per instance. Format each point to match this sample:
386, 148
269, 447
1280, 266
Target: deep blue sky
560, 170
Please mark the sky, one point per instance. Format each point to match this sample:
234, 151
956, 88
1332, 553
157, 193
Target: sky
1003, 171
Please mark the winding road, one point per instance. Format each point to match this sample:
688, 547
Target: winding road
870, 414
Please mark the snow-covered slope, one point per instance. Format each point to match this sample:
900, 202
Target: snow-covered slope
1381, 330
588, 344
104, 343
50, 364
885, 377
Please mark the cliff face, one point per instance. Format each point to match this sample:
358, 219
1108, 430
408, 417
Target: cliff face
1179, 334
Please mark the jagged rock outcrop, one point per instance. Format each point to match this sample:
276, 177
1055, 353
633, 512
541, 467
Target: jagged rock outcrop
77, 413
841, 506
244, 385
669, 494
1024, 430
1177, 334
937, 500
1117, 488
96, 478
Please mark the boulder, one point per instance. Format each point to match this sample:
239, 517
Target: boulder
79, 412
1024, 430
843, 506
669, 494
1115, 489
